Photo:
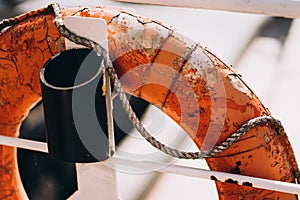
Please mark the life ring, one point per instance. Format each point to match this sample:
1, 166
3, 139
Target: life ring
214, 94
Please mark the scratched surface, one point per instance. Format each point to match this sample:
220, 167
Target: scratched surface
163, 101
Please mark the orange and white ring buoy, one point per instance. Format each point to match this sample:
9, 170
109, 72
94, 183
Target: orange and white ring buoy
186, 81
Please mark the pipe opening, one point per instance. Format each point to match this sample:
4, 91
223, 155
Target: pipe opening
64, 70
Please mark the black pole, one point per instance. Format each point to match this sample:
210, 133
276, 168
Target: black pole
74, 108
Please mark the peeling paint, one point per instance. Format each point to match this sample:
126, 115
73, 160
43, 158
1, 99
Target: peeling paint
267, 138
239, 85
137, 36
128, 32
187, 42
200, 66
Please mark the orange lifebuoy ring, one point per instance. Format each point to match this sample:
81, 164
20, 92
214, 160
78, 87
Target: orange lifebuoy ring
196, 89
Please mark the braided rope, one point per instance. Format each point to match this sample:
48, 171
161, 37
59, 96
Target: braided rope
13, 21
64, 31
6, 23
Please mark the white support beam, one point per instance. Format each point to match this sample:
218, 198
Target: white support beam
118, 163
206, 174
282, 8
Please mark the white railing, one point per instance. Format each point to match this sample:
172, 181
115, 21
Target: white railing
168, 168
283, 8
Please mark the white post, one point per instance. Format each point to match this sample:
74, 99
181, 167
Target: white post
95, 180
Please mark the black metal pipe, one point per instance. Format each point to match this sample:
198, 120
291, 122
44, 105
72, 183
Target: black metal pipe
74, 108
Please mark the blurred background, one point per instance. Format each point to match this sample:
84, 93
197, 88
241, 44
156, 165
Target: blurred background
263, 50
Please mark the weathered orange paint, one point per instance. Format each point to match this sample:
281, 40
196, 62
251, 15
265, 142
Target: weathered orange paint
165, 70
